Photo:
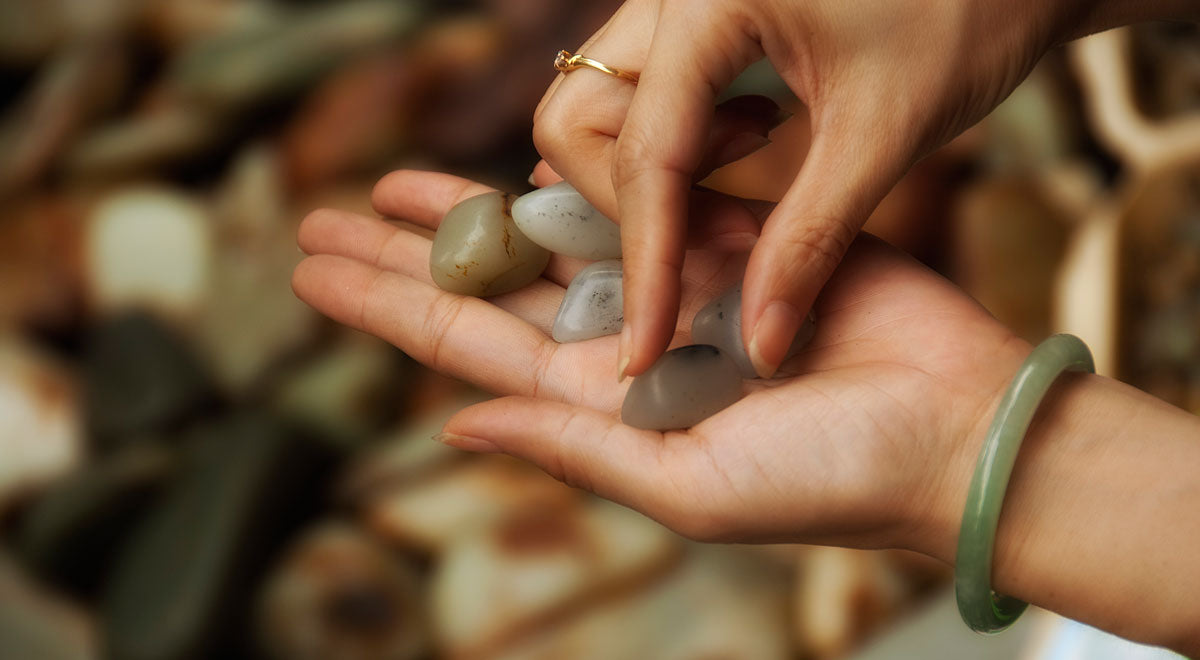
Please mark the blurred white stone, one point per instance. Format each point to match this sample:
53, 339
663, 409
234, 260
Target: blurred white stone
40, 427
149, 248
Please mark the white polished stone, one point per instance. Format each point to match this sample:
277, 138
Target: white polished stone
559, 219
683, 388
720, 324
592, 306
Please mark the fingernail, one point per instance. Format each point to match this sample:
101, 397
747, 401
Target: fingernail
626, 347
780, 117
772, 335
467, 443
531, 181
738, 241
740, 146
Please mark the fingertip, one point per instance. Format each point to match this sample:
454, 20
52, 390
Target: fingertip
543, 175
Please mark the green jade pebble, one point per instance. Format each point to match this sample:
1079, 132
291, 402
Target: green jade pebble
719, 323
479, 251
684, 387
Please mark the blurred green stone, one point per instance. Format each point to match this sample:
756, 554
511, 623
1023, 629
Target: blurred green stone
139, 376
182, 585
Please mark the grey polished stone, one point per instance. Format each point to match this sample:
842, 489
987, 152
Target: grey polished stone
479, 251
684, 387
720, 324
559, 219
593, 304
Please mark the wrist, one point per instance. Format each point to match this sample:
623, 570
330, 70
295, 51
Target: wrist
1098, 520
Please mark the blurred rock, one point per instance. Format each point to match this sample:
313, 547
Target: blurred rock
37, 625
179, 23
538, 566
149, 248
70, 533
236, 70
339, 595
432, 512
1166, 58
70, 90
1160, 272
183, 582
40, 429
349, 392
721, 602
1008, 243
145, 142
842, 596
1035, 127
41, 278
140, 376
251, 320
408, 453
356, 121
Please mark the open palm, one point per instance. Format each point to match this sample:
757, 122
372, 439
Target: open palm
848, 446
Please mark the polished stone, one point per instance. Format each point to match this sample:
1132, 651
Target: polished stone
478, 250
720, 324
559, 219
684, 387
592, 306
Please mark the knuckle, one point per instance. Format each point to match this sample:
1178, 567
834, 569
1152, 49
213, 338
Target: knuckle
823, 242
438, 324
551, 129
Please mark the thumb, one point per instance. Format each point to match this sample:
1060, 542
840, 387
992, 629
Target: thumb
579, 446
845, 175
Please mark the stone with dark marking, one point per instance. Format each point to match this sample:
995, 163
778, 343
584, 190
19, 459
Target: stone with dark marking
559, 219
592, 306
684, 387
479, 251
720, 324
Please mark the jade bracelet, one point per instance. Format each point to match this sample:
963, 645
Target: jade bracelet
981, 608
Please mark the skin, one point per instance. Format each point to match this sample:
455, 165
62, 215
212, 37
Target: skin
868, 438
885, 83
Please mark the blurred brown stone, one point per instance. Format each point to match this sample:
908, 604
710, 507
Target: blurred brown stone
1008, 242
431, 512
539, 566
339, 595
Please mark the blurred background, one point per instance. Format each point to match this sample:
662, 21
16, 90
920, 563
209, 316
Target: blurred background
194, 465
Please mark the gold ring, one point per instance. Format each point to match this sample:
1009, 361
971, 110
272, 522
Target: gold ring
565, 62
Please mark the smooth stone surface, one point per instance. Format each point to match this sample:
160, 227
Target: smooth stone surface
479, 251
720, 324
684, 387
559, 219
593, 304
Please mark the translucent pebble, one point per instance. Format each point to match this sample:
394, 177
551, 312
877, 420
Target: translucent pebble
559, 219
720, 324
592, 306
684, 387
479, 251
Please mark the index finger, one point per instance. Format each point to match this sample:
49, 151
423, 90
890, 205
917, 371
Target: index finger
659, 148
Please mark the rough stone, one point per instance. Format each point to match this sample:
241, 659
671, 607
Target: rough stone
720, 324
684, 387
593, 304
479, 251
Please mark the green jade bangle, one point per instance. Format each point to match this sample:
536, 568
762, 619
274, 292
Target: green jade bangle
981, 608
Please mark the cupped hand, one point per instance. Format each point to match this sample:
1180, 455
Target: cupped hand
885, 83
867, 443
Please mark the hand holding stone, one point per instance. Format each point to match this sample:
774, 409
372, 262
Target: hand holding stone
860, 449
884, 84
